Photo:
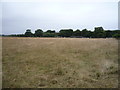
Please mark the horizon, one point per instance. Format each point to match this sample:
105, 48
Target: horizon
19, 16
33, 31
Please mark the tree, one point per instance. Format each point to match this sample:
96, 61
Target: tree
77, 33
85, 33
91, 33
66, 32
46, 34
50, 31
99, 32
38, 33
116, 31
28, 33
116, 35
109, 33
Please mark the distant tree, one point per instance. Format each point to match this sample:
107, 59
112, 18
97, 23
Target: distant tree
28, 33
116, 31
85, 33
57, 34
38, 33
46, 34
99, 32
20, 35
77, 33
109, 33
66, 32
91, 33
50, 31
117, 35
13, 35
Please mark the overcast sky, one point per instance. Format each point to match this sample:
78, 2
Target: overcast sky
56, 15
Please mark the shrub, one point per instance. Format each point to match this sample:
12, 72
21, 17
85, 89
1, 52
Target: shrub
116, 35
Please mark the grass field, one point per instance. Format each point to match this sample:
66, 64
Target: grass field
59, 63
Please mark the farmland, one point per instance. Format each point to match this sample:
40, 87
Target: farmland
59, 62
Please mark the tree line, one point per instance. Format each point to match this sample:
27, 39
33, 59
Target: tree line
98, 32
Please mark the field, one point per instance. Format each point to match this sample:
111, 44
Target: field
59, 63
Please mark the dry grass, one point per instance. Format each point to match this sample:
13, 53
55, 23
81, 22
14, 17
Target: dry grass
0, 63
60, 63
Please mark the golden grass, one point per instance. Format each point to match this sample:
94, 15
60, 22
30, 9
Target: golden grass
59, 63
0, 63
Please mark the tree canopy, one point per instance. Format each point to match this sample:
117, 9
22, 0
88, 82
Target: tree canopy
66, 32
98, 32
38, 33
28, 33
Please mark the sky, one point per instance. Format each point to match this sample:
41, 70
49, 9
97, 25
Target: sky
119, 15
17, 16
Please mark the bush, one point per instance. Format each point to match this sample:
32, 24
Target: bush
49, 34
116, 35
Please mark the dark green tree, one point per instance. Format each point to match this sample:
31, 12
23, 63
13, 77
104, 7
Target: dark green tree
66, 32
38, 33
117, 35
91, 33
77, 33
28, 33
46, 34
116, 31
50, 31
85, 33
99, 32
109, 33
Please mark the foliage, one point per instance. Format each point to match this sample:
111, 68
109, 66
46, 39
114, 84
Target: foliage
38, 33
46, 34
66, 32
116, 35
85, 33
50, 31
77, 33
98, 32
109, 33
28, 33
